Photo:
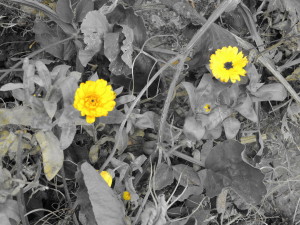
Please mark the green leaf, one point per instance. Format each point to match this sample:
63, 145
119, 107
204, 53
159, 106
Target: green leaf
112, 46
204, 94
7, 139
216, 116
127, 17
82, 8
93, 27
188, 175
59, 73
145, 120
190, 89
113, 117
214, 133
246, 109
53, 156
68, 87
226, 162
230, 95
127, 47
106, 207
64, 10
192, 129
125, 99
123, 141
231, 127
50, 107
46, 36
9, 210
213, 183
11, 86
254, 78
191, 190
67, 135
19, 115
164, 176
270, 92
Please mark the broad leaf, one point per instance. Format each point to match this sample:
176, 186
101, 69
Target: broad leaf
93, 27
254, 78
186, 175
53, 156
213, 183
113, 117
127, 47
123, 141
68, 87
7, 139
190, 190
64, 10
270, 92
46, 36
214, 133
19, 115
216, 116
164, 176
82, 8
50, 107
192, 129
230, 95
105, 205
112, 46
231, 127
127, 17
67, 135
246, 109
9, 210
226, 162
11, 86
145, 120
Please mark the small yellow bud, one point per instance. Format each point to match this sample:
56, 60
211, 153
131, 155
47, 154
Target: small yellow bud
107, 177
126, 195
207, 108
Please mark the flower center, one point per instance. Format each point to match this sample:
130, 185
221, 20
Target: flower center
92, 101
228, 65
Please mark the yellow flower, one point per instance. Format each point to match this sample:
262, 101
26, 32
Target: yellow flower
94, 99
126, 195
107, 177
228, 63
207, 108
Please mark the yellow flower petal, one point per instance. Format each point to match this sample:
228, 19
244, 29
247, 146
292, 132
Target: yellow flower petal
107, 177
228, 64
126, 195
94, 99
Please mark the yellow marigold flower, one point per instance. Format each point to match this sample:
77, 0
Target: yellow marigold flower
94, 99
228, 63
126, 195
207, 108
107, 177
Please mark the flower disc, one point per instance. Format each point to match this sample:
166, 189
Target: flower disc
228, 64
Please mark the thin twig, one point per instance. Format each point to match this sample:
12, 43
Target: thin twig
32, 55
137, 99
63, 174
